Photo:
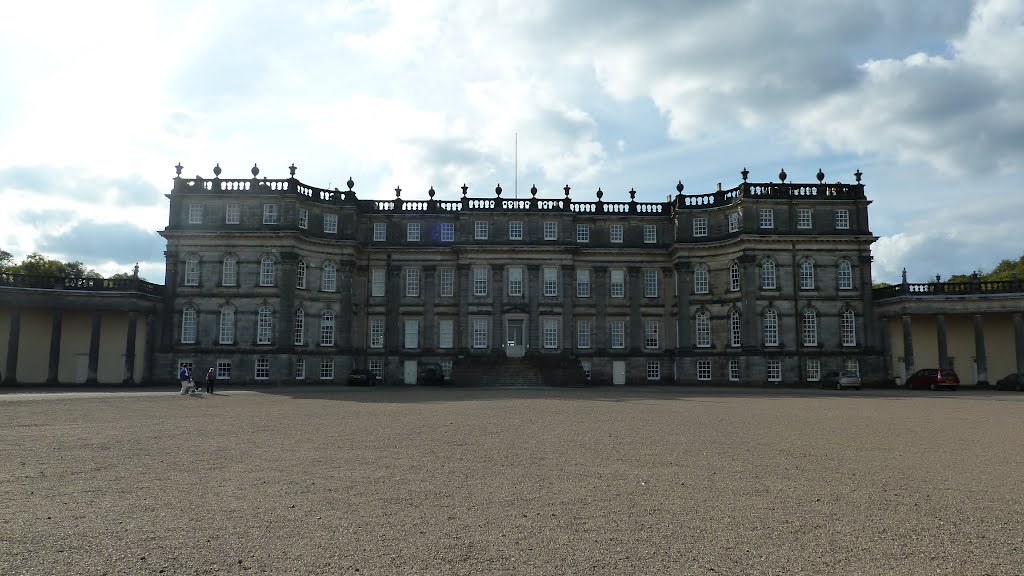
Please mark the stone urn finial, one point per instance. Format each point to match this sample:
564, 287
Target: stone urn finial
178, 169
857, 175
216, 170
497, 190
350, 183
744, 173
679, 187
820, 176
533, 190
255, 171
600, 194
431, 192
782, 175
632, 195
398, 191
465, 189
566, 190
292, 169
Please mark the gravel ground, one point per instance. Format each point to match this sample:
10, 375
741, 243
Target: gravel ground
512, 481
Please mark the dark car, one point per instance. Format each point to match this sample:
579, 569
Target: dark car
841, 380
933, 379
430, 374
361, 377
1010, 382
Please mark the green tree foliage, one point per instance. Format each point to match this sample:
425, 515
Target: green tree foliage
35, 264
6, 260
1003, 271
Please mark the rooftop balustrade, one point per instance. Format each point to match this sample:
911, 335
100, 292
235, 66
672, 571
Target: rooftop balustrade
83, 284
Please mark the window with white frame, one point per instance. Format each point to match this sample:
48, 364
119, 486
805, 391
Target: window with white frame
412, 232
807, 274
700, 226
810, 327
229, 271
652, 334
262, 368
412, 334
853, 366
617, 283
703, 369
447, 281
327, 369
264, 325
270, 214
303, 218
615, 233
266, 271
813, 370
734, 370
480, 230
735, 329
848, 328
550, 281
651, 283
768, 275
650, 234
329, 277
734, 221
550, 338
515, 230
447, 231
480, 274
653, 370
300, 274
412, 282
380, 231
223, 369
327, 328
377, 281
232, 213
702, 329
446, 369
588, 368
192, 270
515, 281
734, 277
376, 367
446, 334
774, 370
803, 218
550, 230
771, 327
582, 283
376, 333
299, 337
766, 218
844, 275
300, 368
617, 333
701, 279
480, 329
583, 232
330, 223
842, 219
583, 333
195, 213
189, 324
226, 332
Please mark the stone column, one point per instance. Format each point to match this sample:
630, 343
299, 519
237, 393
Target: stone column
498, 338
147, 360
908, 346
13, 335
393, 329
683, 329
283, 313
129, 349
979, 348
636, 296
668, 336
750, 283
867, 293
568, 293
940, 329
599, 288
429, 288
53, 368
534, 285
94, 348
1018, 341
885, 346
343, 326
463, 288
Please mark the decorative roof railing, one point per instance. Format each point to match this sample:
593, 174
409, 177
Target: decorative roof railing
949, 288
84, 284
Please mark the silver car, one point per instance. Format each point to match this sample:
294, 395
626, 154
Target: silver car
841, 380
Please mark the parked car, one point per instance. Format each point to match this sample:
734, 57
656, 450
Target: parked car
933, 379
1010, 382
361, 377
430, 374
841, 380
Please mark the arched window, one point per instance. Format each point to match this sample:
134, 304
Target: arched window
768, 274
810, 327
227, 325
327, 328
300, 327
192, 270
300, 274
266, 271
702, 325
264, 325
771, 327
734, 277
807, 274
700, 279
735, 329
848, 328
189, 323
329, 277
229, 271
844, 274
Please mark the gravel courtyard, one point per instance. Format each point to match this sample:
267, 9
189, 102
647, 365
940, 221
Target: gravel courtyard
512, 481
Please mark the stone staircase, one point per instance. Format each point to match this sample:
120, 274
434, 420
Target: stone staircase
526, 371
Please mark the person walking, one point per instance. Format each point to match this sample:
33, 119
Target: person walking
185, 378
210, 377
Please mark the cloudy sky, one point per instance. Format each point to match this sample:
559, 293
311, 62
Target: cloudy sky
101, 99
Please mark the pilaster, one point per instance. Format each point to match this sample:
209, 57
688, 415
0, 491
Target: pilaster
53, 366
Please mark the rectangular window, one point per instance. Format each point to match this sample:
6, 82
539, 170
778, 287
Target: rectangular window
583, 333
735, 330
734, 222
303, 218
515, 230
617, 333
446, 334
515, 281
700, 226
550, 282
853, 366
300, 368
447, 231
734, 277
775, 370
412, 282
380, 231
583, 232
650, 283
195, 213
582, 283
480, 326
376, 333
412, 334
233, 213
703, 369
617, 278
652, 329
813, 370
267, 272
412, 232
327, 369
767, 218
227, 325
223, 369
810, 328
653, 370
842, 219
299, 332
192, 271
446, 369
551, 333
615, 233
803, 218
588, 368
377, 276
550, 230
327, 329
447, 280
270, 214
650, 233
734, 370
376, 366
330, 223
848, 329
480, 230
480, 280
262, 368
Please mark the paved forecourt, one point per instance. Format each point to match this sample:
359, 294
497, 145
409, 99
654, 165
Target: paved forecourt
512, 481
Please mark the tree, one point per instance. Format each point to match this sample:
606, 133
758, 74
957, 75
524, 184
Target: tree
35, 264
6, 260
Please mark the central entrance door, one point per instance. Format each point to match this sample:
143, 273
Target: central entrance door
515, 333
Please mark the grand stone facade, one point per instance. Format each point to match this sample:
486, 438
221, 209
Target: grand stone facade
280, 281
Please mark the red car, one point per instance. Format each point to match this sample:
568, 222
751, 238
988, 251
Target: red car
933, 379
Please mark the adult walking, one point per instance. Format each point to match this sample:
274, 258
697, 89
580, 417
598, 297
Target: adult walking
185, 378
210, 377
